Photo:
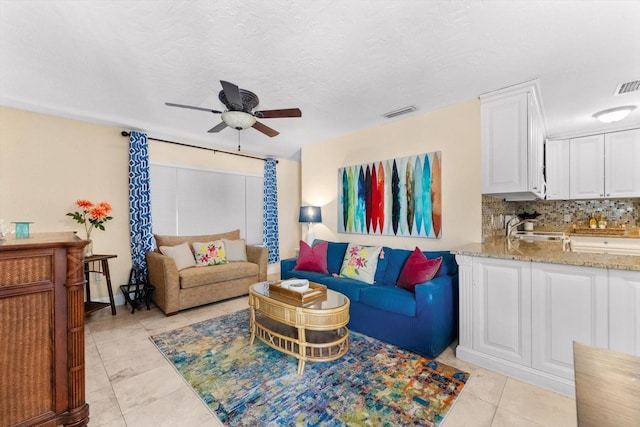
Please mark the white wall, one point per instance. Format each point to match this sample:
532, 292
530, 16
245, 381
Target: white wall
454, 130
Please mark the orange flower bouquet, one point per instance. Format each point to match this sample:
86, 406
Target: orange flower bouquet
92, 216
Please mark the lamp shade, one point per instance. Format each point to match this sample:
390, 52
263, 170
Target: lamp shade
238, 119
310, 214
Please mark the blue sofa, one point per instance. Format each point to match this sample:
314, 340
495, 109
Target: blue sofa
425, 322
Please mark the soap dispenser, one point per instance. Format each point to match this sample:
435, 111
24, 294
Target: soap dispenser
593, 222
602, 223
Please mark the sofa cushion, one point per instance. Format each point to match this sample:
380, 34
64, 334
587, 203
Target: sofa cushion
181, 254
360, 262
210, 253
236, 250
349, 287
312, 258
335, 255
383, 261
418, 269
163, 240
449, 265
397, 258
388, 298
200, 276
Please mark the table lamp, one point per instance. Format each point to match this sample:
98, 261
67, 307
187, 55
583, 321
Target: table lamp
310, 214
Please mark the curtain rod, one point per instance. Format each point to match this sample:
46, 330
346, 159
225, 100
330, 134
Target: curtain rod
215, 150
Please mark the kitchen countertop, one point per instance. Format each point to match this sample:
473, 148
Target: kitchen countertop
546, 251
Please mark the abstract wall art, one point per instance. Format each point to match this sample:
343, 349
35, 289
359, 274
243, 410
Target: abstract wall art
396, 197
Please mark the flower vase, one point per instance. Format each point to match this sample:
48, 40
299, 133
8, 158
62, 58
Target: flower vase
88, 250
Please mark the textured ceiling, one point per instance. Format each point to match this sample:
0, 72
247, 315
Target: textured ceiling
343, 63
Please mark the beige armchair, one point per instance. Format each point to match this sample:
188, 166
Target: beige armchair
177, 290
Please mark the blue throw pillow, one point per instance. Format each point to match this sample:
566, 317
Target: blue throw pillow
335, 255
397, 258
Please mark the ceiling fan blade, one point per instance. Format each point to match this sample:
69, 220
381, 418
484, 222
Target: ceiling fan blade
218, 127
232, 92
272, 114
265, 129
171, 104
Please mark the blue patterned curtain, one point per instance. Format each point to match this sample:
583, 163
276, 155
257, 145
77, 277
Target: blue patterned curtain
270, 218
140, 229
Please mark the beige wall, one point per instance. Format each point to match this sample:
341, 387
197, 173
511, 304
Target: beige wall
48, 162
454, 130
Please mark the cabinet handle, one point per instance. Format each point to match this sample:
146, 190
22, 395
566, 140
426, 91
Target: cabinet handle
608, 194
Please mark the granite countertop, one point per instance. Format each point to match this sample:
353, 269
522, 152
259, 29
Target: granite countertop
546, 251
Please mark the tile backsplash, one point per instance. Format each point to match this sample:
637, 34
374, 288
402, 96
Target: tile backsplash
559, 214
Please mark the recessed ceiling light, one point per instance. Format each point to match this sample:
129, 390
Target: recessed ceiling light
614, 114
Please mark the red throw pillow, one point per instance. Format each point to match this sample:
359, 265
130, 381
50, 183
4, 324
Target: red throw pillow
312, 259
418, 269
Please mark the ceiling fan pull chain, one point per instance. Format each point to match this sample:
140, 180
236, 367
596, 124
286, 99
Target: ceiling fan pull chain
238, 140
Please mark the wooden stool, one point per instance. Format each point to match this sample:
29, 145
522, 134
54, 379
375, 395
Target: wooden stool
91, 306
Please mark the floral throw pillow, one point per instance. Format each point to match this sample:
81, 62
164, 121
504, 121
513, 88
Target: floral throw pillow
211, 253
360, 262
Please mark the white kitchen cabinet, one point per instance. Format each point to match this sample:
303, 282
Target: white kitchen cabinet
557, 169
624, 311
622, 164
520, 318
502, 309
586, 167
605, 166
512, 143
569, 304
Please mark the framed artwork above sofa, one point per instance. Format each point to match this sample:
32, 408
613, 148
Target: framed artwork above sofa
397, 197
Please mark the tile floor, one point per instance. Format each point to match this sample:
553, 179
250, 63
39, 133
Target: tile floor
129, 383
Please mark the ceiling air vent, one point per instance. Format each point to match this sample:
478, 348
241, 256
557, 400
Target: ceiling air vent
399, 112
627, 87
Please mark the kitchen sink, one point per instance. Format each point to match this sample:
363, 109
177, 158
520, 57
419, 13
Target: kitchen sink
538, 235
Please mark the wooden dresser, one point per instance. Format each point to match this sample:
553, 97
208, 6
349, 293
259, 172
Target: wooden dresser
42, 331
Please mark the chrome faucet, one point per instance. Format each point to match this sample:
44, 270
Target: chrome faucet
513, 224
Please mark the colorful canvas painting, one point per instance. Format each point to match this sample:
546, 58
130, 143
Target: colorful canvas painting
397, 197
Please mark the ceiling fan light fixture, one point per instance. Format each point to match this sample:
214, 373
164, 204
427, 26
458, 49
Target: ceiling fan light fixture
613, 115
238, 119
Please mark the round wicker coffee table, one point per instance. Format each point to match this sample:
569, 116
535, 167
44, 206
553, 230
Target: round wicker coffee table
313, 332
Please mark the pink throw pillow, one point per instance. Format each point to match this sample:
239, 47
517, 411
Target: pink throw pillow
418, 269
312, 259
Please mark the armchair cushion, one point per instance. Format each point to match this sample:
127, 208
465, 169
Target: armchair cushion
181, 254
163, 240
236, 250
194, 277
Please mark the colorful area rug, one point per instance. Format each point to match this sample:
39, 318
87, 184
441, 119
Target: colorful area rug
374, 384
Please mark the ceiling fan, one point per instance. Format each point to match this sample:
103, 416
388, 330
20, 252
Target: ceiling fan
238, 115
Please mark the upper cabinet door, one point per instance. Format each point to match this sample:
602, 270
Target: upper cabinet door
587, 167
557, 169
622, 164
537, 183
504, 144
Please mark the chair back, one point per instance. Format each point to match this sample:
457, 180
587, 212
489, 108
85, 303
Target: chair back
607, 387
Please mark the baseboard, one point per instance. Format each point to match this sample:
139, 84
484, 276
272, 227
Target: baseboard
118, 299
524, 373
